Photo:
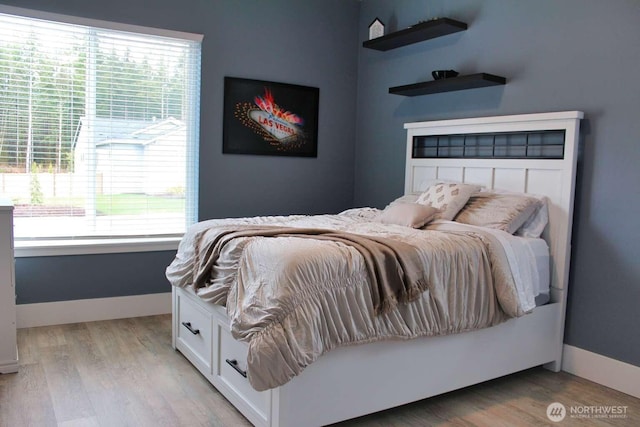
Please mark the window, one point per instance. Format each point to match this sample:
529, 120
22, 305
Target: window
98, 128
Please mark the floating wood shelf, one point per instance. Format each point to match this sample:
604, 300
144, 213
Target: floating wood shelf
472, 81
416, 33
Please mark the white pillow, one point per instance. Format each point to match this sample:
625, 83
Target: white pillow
448, 197
535, 225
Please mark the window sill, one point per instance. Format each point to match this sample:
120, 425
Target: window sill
40, 248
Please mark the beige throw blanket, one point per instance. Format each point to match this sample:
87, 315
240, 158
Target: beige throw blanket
396, 272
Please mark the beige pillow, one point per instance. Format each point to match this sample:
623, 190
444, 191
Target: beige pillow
502, 211
407, 198
448, 197
408, 214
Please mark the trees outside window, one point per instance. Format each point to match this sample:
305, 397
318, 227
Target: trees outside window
98, 129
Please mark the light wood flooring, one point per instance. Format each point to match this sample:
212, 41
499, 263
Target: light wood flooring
125, 373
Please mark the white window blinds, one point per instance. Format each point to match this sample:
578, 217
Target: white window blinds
98, 129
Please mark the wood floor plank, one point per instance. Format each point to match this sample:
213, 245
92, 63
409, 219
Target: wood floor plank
125, 373
133, 377
102, 388
65, 385
81, 422
25, 399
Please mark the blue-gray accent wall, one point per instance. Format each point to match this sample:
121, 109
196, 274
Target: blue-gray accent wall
557, 55
311, 43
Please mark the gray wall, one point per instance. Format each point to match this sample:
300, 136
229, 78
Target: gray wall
313, 43
557, 55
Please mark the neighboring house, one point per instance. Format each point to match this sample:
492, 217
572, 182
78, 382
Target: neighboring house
131, 156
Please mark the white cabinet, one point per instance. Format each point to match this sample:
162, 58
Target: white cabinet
8, 343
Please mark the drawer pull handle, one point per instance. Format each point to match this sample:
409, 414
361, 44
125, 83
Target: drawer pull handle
190, 328
234, 364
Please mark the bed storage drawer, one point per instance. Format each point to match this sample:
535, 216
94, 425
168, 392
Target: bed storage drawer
193, 332
232, 372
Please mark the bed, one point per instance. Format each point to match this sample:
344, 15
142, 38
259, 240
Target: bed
524, 154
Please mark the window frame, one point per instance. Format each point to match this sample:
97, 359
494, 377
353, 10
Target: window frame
116, 244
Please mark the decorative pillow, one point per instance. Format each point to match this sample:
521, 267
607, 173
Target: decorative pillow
507, 212
408, 214
448, 197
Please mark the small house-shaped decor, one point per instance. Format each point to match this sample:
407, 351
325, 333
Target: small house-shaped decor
376, 29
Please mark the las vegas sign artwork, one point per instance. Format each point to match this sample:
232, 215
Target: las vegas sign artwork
269, 118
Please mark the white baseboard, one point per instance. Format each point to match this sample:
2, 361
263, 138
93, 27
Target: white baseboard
603, 370
89, 310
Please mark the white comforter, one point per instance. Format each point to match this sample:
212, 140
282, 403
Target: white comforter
294, 299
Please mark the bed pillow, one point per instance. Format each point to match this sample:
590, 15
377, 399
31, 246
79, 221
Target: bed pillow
408, 214
407, 198
535, 225
448, 197
502, 211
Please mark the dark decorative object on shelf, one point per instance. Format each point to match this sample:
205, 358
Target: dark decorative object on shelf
471, 81
444, 74
416, 33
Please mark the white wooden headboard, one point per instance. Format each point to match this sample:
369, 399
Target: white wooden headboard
554, 178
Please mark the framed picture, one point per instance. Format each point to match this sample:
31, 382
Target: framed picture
268, 118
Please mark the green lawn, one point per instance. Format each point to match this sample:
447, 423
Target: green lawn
124, 204
133, 204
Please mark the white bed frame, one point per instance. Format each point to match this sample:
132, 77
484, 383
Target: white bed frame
352, 381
